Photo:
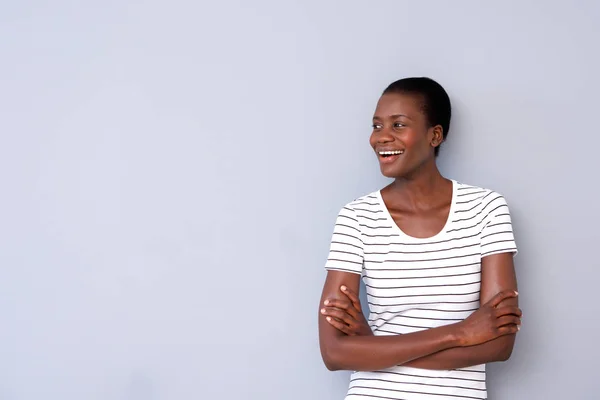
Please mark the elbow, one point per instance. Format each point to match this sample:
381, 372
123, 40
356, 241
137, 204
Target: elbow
330, 360
504, 348
504, 352
331, 365
331, 355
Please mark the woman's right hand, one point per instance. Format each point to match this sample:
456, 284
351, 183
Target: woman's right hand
346, 315
491, 321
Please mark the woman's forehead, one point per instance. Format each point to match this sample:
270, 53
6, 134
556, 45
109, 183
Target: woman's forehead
399, 104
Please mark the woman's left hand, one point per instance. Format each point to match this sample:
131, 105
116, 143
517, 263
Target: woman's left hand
346, 314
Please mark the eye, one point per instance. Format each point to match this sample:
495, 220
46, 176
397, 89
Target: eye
399, 125
377, 126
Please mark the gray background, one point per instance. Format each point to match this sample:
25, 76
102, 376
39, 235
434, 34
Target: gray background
171, 172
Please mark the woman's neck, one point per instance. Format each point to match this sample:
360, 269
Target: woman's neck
422, 190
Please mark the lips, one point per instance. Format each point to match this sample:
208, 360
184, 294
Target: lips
388, 156
385, 153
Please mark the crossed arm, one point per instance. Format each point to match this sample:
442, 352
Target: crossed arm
487, 335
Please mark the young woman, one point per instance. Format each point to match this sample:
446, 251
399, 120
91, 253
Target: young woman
436, 257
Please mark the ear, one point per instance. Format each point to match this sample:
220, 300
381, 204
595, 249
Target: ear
437, 136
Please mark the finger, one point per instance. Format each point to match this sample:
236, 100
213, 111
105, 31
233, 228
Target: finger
508, 320
508, 330
337, 303
514, 310
353, 297
339, 314
342, 305
339, 326
500, 297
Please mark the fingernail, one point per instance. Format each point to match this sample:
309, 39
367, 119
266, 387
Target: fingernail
326, 302
517, 293
328, 318
323, 311
343, 288
518, 327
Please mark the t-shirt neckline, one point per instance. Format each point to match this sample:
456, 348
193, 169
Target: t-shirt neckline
400, 232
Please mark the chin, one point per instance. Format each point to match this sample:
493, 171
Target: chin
392, 172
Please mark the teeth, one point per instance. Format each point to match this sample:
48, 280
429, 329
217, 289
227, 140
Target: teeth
391, 153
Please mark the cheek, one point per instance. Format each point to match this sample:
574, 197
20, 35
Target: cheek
411, 140
416, 140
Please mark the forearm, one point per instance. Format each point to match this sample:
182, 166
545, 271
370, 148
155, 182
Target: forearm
497, 275
498, 349
369, 353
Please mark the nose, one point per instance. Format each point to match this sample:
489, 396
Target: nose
383, 136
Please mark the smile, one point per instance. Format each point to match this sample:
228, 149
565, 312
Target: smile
390, 153
389, 156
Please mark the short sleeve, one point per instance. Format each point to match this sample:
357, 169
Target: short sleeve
346, 250
497, 233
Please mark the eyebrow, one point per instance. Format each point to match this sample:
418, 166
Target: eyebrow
394, 116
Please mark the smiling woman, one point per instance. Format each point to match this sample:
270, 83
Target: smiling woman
436, 257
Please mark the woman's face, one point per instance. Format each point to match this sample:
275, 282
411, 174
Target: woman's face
402, 137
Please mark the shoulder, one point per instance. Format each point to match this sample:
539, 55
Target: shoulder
476, 195
365, 201
365, 205
478, 201
363, 209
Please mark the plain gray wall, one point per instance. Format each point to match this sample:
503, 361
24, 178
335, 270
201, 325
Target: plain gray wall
171, 172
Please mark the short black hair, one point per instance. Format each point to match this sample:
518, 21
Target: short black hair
436, 103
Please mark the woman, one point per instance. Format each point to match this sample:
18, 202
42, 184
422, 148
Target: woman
436, 257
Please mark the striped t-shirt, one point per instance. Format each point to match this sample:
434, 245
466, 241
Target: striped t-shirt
414, 284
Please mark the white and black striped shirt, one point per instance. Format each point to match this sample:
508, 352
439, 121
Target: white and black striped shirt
414, 284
